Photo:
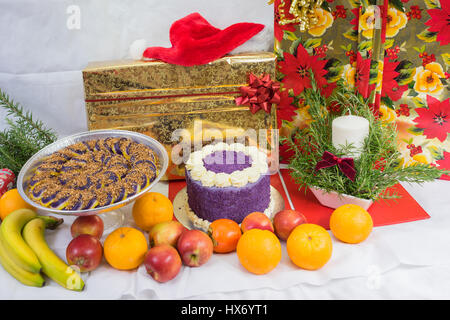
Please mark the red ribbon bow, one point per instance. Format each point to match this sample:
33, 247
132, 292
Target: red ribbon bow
260, 94
346, 165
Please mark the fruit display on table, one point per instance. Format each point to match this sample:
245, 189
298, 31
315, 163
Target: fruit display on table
351, 223
85, 252
225, 234
285, 221
92, 225
256, 242
11, 201
163, 262
195, 247
259, 251
309, 246
125, 248
150, 209
166, 232
256, 220
25, 254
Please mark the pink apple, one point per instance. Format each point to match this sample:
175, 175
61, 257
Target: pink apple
162, 262
85, 251
285, 221
166, 233
195, 247
256, 220
92, 225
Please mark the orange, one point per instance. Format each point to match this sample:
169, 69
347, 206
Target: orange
309, 246
259, 251
225, 234
125, 248
12, 201
351, 223
152, 208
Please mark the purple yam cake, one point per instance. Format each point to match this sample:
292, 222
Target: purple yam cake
227, 181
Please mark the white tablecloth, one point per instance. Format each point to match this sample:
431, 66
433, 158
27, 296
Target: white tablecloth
41, 57
404, 261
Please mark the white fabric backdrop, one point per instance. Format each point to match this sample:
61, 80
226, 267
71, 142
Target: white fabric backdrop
40, 66
42, 51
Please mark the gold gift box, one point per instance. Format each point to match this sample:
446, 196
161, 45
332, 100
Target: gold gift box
157, 98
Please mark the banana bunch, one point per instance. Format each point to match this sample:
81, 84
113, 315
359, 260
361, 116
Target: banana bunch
25, 255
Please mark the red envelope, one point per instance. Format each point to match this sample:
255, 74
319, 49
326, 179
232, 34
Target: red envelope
405, 209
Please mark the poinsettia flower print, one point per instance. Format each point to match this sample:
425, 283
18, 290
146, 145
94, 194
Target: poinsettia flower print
285, 109
297, 70
434, 120
444, 164
279, 28
390, 87
362, 76
440, 22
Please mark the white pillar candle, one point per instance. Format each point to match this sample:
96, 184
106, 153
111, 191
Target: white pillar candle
350, 129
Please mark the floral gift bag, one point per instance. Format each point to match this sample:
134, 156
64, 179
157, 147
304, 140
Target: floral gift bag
395, 52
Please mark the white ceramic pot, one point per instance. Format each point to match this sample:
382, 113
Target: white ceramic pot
335, 200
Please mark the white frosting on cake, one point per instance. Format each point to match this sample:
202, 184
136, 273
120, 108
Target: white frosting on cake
208, 179
237, 178
197, 172
252, 173
222, 180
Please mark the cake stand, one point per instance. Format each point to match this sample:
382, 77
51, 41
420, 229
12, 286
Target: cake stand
188, 219
111, 215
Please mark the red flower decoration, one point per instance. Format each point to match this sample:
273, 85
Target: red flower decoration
296, 71
445, 164
285, 109
439, 22
355, 21
259, 94
390, 87
434, 120
278, 28
362, 76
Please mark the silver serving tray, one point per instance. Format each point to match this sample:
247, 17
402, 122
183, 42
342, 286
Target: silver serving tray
28, 169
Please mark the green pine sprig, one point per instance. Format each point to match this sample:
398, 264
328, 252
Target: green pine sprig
23, 137
378, 168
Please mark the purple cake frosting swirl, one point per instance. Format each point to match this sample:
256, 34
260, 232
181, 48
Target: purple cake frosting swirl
235, 203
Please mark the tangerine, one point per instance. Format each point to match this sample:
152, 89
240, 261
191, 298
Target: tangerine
259, 251
351, 223
225, 234
12, 201
309, 246
125, 248
152, 208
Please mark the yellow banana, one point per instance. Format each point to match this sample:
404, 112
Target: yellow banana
55, 268
11, 233
22, 275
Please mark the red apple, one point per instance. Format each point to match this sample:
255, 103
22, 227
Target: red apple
285, 221
162, 262
166, 233
92, 225
85, 251
195, 247
256, 220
